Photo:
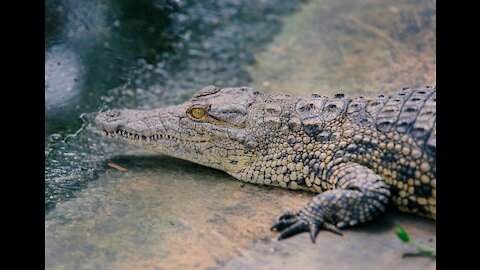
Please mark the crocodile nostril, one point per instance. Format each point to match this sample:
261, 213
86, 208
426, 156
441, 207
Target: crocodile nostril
112, 113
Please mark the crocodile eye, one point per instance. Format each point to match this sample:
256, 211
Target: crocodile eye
198, 113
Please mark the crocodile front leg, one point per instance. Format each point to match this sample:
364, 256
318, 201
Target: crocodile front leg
357, 195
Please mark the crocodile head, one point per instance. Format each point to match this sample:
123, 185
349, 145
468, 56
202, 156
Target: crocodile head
215, 128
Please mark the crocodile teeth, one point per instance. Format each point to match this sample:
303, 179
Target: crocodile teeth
143, 138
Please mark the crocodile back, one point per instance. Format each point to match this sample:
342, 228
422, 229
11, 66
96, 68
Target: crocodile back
407, 111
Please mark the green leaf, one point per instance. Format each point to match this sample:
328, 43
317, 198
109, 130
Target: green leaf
402, 234
423, 249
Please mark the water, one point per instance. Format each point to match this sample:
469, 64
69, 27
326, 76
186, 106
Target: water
166, 213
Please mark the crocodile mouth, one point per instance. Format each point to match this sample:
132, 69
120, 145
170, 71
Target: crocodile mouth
152, 139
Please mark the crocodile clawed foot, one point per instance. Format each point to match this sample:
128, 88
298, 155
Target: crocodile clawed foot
290, 224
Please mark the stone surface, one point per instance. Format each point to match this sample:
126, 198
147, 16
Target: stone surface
166, 213
352, 47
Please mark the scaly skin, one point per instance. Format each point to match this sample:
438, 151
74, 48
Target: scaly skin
359, 155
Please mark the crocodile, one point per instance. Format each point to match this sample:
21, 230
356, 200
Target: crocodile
360, 156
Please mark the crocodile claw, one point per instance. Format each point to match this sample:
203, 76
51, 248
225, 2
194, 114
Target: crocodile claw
283, 223
290, 224
298, 227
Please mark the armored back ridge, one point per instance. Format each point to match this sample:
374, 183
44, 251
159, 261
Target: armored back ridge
358, 154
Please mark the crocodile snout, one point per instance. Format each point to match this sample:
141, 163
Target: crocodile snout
112, 113
108, 119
